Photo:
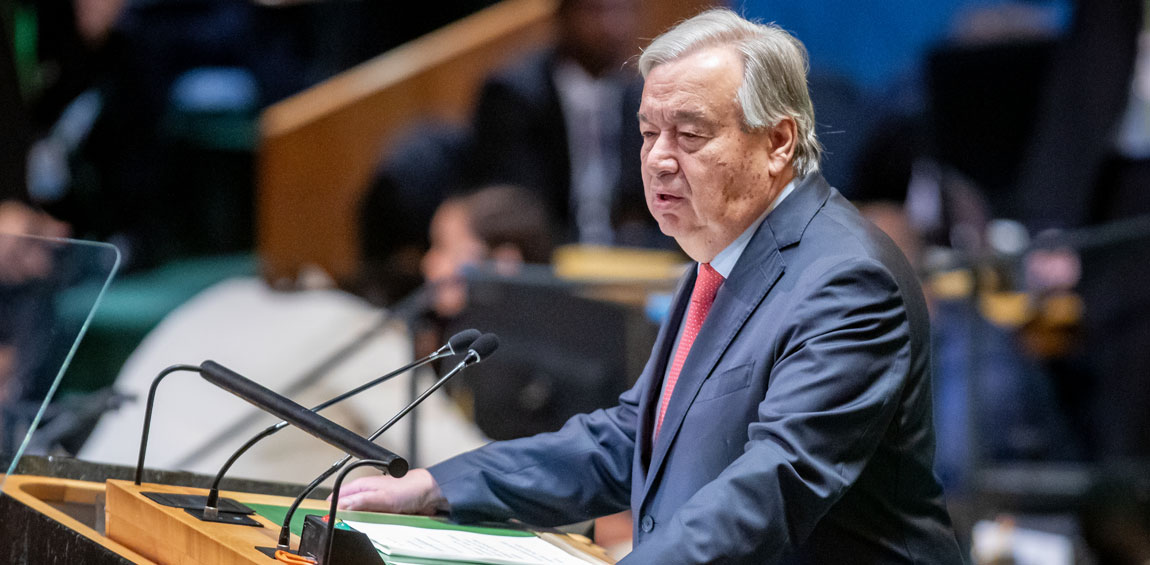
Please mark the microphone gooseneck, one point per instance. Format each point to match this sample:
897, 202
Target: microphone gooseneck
148, 414
457, 343
329, 537
481, 349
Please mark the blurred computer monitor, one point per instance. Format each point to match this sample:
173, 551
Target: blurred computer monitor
561, 353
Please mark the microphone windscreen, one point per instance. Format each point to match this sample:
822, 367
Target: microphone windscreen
485, 345
462, 340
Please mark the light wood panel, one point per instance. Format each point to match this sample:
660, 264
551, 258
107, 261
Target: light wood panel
319, 148
172, 536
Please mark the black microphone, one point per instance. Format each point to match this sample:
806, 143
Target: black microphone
458, 343
269, 401
480, 350
286, 409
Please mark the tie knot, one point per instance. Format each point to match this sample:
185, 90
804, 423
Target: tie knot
707, 283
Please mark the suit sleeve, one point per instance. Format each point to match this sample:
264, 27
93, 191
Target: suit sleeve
838, 370
579, 472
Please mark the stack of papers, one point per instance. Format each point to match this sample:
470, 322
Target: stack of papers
468, 547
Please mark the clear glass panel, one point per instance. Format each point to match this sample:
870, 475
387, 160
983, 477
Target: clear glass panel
49, 290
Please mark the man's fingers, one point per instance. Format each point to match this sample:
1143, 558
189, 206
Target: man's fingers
372, 501
408, 495
357, 494
360, 485
352, 502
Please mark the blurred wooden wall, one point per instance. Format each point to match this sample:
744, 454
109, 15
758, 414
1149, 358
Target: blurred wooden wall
319, 148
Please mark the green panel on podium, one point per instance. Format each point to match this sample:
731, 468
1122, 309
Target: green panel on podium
276, 515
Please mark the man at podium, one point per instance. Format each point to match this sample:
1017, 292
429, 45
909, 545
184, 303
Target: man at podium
784, 414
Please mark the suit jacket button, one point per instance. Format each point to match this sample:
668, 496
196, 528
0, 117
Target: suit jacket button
647, 524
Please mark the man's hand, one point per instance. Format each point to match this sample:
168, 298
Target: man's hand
416, 493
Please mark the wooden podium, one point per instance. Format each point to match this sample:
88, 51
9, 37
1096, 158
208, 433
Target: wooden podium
58, 520
136, 529
142, 531
172, 536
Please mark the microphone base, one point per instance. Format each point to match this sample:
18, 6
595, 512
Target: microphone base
271, 551
224, 518
349, 546
197, 502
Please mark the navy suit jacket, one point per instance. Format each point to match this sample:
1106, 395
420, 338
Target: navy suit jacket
800, 427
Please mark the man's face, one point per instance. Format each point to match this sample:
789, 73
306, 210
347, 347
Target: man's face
705, 177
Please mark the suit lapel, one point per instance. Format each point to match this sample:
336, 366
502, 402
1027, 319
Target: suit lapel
662, 353
757, 270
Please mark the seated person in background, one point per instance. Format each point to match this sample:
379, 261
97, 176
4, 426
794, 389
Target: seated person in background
992, 401
561, 122
505, 225
18, 263
16, 216
25, 304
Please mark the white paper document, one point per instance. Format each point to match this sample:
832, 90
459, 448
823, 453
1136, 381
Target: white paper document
453, 545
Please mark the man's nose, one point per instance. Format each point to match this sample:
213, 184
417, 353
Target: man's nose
661, 159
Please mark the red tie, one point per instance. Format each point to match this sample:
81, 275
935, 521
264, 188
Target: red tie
706, 286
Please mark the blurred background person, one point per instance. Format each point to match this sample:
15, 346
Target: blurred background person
498, 227
16, 215
562, 122
146, 111
559, 121
1088, 167
25, 303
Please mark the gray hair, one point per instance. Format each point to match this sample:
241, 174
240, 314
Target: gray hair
774, 74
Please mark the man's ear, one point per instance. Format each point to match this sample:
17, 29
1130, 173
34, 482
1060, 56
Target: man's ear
782, 136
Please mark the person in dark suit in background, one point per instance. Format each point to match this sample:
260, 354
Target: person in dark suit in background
17, 216
1089, 166
559, 121
23, 303
562, 122
14, 142
784, 414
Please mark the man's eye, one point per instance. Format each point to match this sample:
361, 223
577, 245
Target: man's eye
691, 139
649, 134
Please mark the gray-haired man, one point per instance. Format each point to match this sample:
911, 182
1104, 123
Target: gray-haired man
784, 414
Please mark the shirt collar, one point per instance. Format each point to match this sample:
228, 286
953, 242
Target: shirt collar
725, 261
